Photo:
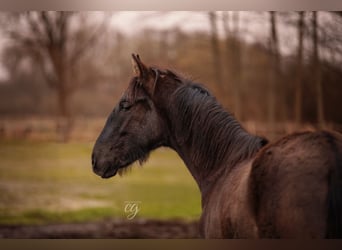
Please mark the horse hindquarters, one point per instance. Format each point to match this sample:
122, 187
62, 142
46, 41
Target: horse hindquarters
295, 187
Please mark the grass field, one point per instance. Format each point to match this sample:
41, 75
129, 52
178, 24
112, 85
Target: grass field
45, 182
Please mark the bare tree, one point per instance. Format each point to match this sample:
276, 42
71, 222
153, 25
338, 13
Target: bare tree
215, 46
274, 69
317, 69
233, 47
57, 41
299, 81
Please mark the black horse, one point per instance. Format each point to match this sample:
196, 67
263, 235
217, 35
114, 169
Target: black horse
250, 188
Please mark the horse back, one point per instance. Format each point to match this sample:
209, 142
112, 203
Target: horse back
295, 186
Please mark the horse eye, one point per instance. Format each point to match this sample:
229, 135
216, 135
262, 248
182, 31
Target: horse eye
124, 105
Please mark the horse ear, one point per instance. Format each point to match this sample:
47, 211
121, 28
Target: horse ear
139, 69
144, 74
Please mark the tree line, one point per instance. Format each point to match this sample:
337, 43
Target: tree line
83, 65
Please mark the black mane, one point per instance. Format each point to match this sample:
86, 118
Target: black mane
205, 126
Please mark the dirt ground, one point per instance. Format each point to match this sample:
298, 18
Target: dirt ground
165, 229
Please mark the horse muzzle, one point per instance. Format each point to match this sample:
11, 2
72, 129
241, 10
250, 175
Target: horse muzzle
105, 170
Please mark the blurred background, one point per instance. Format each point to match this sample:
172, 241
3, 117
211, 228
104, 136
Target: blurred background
61, 73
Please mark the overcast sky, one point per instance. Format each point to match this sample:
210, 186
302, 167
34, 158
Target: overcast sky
251, 23
254, 26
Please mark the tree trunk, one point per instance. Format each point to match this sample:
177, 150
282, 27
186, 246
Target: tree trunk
64, 117
64, 92
299, 82
215, 46
274, 48
317, 71
236, 61
233, 47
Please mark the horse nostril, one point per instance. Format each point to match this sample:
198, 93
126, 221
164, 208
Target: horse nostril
93, 161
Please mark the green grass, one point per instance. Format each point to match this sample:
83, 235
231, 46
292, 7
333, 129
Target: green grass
42, 182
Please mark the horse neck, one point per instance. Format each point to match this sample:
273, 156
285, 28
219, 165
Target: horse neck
208, 139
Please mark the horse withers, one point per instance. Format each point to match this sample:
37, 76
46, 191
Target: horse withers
291, 188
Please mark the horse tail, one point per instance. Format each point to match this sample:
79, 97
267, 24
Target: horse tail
334, 218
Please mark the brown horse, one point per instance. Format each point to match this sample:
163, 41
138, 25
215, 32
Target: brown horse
250, 188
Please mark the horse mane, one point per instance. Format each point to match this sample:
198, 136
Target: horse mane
205, 126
